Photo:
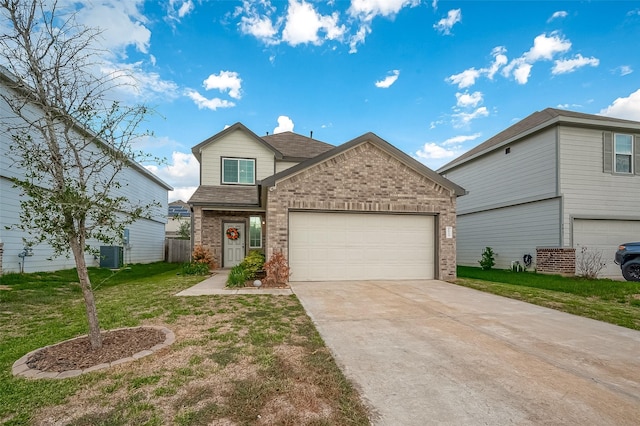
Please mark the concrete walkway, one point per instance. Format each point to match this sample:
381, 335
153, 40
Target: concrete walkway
432, 353
216, 285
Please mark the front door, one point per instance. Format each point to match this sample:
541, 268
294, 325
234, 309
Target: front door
234, 239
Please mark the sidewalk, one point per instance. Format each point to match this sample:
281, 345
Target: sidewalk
216, 285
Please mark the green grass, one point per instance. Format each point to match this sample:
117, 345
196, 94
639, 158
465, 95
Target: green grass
235, 357
616, 302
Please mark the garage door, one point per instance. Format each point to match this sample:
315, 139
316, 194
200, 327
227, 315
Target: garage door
342, 246
605, 236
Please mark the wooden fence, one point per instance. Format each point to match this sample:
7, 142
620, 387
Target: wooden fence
177, 251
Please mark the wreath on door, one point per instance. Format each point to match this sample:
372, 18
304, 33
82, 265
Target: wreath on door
233, 234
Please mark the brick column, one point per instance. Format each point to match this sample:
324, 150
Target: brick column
556, 260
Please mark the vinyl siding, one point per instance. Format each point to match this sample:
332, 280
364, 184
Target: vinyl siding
589, 192
284, 165
511, 232
527, 173
237, 145
146, 236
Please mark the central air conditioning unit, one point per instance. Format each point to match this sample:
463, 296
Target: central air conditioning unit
111, 257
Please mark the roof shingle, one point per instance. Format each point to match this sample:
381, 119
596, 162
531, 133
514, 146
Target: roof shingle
226, 196
294, 145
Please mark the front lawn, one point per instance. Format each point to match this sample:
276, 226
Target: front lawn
237, 359
616, 302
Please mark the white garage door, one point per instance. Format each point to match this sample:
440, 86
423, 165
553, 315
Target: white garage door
605, 236
342, 246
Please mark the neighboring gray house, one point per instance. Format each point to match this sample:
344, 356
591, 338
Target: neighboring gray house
556, 182
143, 241
361, 210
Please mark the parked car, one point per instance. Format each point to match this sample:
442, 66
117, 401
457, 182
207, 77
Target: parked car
628, 257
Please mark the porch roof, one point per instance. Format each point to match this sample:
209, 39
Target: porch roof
227, 196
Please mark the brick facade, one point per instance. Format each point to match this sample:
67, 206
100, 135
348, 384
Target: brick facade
364, 179
208, 229
556, 260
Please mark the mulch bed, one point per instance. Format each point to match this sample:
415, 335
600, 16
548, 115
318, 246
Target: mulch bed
77, 354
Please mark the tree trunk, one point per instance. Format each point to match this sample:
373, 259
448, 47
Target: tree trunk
87, 292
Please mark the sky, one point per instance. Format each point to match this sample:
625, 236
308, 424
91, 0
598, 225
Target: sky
433, 78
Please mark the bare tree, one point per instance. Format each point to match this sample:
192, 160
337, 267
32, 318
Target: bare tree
70, 139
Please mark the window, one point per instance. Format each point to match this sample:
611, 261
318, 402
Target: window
255, 232
238, 171
623, 149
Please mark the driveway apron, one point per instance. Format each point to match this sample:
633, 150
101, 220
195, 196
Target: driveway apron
430, 352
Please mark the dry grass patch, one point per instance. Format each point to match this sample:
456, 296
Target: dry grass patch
241, 359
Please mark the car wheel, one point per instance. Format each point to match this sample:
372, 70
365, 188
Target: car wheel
631, 270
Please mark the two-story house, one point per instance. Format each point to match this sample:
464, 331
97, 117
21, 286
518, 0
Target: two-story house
361, 210
555, 183
143, 241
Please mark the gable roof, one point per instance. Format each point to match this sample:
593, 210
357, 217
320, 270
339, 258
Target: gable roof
535, 122
197, 150
380, 143
285, 146
294, 146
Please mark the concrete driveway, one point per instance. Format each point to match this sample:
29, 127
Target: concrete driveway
429, 352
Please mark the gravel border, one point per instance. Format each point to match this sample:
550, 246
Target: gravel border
20, 367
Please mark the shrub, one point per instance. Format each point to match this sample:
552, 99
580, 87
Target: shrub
195, 268
277, 270
253, 263
488, 260
203, 255
589, 263
237, 277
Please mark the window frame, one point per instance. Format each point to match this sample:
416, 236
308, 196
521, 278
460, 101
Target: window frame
630, 154
237, 160
259, 219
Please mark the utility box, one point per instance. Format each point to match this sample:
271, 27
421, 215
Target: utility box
111, 257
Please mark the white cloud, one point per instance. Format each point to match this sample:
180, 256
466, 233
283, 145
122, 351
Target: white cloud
121, 23
182, 173
445, 24
434, 4
204, 103
457, 140
178, 9
624, 70
132, 81
499, 60
563, 66
522, 72
557, 15
366, 10
627, 108
388, 80
467, 99
285, 124
462, 119
225, 81
433, 151
544, 48
256, 20
466, 78
304, 23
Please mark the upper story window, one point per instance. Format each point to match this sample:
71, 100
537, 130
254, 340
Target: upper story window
240, 171
623, 151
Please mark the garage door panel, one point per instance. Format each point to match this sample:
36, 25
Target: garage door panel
605, 236
340, 246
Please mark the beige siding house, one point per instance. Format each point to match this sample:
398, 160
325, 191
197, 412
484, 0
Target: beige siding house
361, 210
555, 182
